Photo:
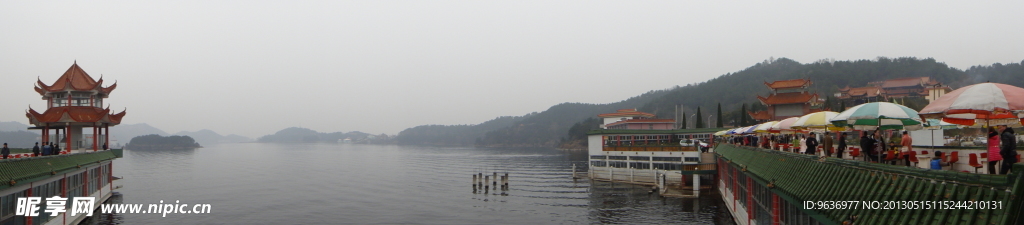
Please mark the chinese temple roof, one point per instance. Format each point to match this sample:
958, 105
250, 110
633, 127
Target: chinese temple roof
788, 98
626, 113
862, 92
74, 79
796, 83
70, 114
760, 115
905, 82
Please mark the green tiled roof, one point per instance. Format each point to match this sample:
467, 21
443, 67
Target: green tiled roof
798, 177
36, 168
631, 131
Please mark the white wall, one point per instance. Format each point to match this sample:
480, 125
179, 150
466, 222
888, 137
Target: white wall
924, 137
594, 145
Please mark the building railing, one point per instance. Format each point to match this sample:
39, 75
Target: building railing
651, 148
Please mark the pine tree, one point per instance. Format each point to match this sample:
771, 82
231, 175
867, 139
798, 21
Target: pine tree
700, 121
719, 116
684, 120
743, 115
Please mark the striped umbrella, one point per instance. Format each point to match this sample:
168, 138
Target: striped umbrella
979, 104
817, 121
879, 115
749, 130
784, 126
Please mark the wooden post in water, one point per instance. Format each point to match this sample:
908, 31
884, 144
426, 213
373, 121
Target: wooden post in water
486, 184
474, 183
573, 171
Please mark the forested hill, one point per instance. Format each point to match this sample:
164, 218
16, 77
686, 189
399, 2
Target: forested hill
534, 129
546, 129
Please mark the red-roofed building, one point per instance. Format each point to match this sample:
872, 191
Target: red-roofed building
73, 102
623, 114
913, 87
643, 124
789, 98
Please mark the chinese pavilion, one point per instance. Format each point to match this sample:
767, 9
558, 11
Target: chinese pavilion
788, 98
73, 102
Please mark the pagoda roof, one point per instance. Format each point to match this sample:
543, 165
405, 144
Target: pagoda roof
760, 115
626, 113
71, 114
795, 83
74, 79
788, 98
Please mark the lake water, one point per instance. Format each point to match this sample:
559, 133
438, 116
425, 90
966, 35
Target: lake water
258, 183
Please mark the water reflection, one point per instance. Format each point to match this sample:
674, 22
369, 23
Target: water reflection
360, 184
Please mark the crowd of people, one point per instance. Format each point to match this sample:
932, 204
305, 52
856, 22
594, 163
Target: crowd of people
47, 149
1002, 144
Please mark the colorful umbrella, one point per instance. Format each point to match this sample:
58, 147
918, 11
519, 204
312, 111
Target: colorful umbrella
817, 121
979, 104
784, 126
765, 127
879, 115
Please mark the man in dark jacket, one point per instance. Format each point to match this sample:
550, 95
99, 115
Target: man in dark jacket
1008, 148
867, 145
5, 151
35, 150
842, 145
812, 144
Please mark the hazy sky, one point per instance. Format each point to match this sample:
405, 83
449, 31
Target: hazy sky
255, 67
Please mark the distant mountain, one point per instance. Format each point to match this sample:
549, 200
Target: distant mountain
207, 137
305, 135
732, 90
543, 129
13, 126
19, 139
125, 132
157, 142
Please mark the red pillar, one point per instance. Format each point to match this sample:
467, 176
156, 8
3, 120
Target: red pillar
750, 200
776, 219
106, 139
67, 131
95, 131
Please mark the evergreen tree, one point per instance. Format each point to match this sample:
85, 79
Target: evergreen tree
719, 116
700, 121
743, 115
684, 120
842, 106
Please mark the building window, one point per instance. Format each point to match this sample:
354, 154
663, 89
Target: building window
80, 99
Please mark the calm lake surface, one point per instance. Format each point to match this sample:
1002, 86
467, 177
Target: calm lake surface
258, 183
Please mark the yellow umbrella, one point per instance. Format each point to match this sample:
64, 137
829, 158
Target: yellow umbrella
817, 121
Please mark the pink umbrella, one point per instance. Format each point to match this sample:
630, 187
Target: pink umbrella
784, 126
989, 103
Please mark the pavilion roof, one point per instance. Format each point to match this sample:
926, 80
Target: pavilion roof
795, 83
74, 79
68, 114
788, 98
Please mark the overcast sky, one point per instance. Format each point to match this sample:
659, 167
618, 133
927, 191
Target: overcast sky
255, 67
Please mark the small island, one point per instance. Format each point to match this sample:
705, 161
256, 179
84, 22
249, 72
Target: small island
157, 142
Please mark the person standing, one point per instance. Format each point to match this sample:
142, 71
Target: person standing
1008, 142
56, 150
993, 150
842, 145
867, 144
47, 148
5, 151
35, 150
803, 144
907, 142
812, 144
828, 144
